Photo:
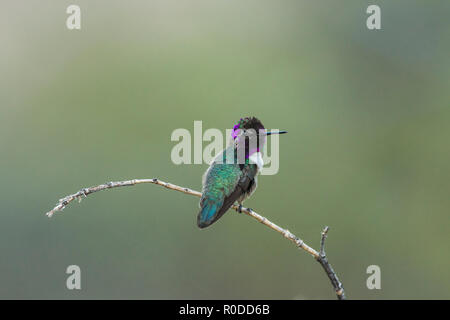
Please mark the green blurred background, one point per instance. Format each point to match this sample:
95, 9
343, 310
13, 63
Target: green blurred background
367, 151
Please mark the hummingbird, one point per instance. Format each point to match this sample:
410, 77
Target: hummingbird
232, 175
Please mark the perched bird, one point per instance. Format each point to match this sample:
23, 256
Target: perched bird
232, 174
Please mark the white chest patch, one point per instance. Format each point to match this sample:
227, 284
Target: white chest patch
257, 159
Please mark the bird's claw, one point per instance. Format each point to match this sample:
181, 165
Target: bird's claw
240, 209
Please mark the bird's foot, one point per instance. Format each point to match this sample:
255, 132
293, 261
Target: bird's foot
240, 209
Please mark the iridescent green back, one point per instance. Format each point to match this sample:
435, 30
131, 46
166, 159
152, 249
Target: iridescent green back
220, 186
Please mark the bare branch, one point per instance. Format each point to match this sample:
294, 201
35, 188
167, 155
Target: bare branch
322, 259
319, 256
322, 241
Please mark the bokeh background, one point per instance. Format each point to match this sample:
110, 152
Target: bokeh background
367, 152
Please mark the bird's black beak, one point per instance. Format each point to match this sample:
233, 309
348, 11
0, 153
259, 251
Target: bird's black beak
275, 132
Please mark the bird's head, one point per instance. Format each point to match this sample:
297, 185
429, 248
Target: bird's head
251, 131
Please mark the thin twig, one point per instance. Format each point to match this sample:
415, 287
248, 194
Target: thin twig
319, 256
322, 241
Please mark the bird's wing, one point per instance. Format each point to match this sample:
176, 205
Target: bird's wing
220, 187
224, 185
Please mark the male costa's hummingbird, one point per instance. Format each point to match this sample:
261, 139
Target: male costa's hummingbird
232, 174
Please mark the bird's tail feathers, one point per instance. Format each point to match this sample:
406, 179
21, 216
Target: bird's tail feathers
208, 212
